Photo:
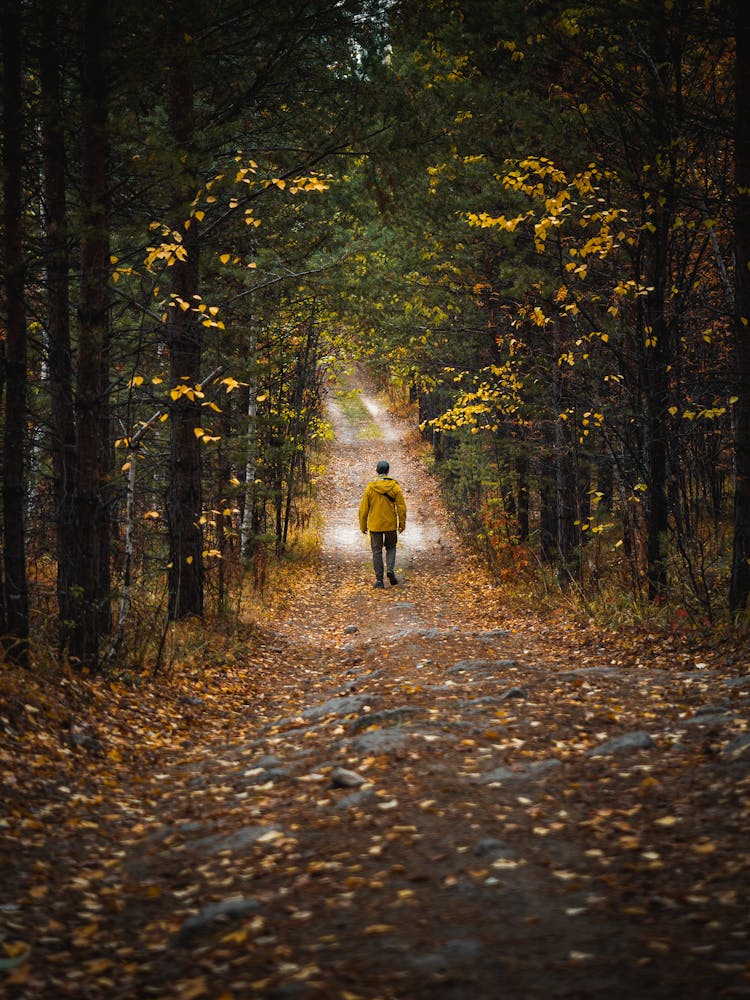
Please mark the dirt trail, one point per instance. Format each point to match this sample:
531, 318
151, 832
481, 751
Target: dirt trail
491, 850
431, 801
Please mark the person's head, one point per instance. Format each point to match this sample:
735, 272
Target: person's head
382, 467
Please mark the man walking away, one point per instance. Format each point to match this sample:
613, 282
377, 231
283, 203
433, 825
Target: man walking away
382, 512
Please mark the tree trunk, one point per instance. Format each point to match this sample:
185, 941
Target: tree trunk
656, 331
224, 519
547, 510
184, 333
740, 581
656, 406
60, 365
15, 586
3, 623
565, 484
522, 478
91, 593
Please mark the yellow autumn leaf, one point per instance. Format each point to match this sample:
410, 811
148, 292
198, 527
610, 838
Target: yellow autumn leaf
96, 966
707, 847
225, 258
199, 432
88, 931
237, 937
666, 821
191, 989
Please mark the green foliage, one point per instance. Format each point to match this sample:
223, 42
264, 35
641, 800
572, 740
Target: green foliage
548, 275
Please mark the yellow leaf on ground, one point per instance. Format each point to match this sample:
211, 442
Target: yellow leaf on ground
190, 989
708, 847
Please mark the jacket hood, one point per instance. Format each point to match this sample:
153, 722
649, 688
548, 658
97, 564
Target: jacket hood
384, 486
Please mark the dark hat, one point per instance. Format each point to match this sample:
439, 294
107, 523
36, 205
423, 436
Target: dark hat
382, 467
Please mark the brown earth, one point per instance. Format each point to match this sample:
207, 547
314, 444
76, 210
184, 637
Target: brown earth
407, 793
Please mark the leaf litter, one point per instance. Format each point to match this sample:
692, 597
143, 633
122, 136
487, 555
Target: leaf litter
418, 792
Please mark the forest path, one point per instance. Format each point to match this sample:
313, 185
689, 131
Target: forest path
465, 805
408, 794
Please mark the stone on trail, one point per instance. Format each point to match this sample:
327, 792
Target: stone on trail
236, 841
382, 740
527, 772
491, 634
709, 715
336, 706
351, 629
343, 778
268, 761
355, 799
593, 672
388, 715
234, 908
620, 744
738, 748
463, 665
261, 775
738, 682
493, 849
514, 692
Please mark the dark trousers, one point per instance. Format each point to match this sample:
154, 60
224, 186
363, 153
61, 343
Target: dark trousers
379, 539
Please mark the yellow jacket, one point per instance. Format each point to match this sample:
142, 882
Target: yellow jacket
383, 507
